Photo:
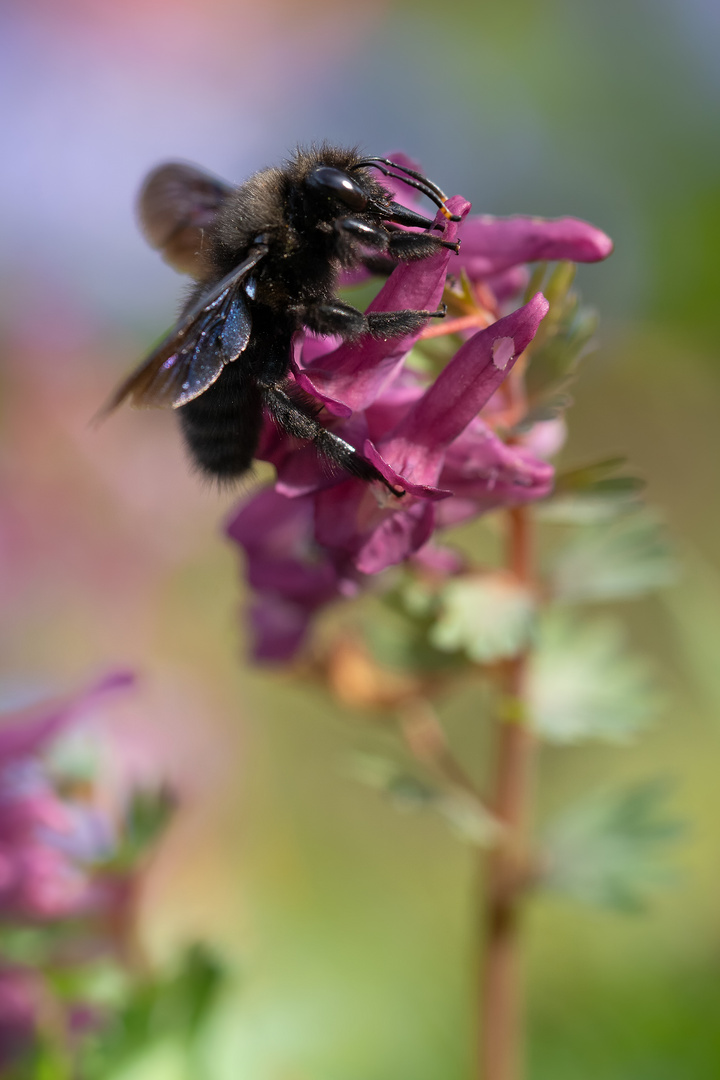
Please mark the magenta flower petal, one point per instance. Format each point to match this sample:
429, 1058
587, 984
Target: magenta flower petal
416, 448
421, 491
396, 538
291, 577
511, 476
25, 732
439, 561
477, 461
278, 627
353, 375
491, 245
508, 283
373, 534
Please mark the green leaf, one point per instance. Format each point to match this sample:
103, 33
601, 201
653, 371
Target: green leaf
408, 791
195, 988
609, 850
585, 509
489, 616
694, 611
397, 636
591, 494
625, 557
559, 283
174, 1005
560, 348
146, 816
583, 685
598, 478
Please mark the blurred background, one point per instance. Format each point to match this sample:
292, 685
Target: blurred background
348, 926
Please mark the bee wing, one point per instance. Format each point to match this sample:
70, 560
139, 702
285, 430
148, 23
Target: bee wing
177, 204
190, 358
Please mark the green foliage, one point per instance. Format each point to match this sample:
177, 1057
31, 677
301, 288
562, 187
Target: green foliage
598, 478
561, 342
146, 816
410, 791
609, 850
592, 493
400, 637
171, 1006
583, 685
612, 560
488, 616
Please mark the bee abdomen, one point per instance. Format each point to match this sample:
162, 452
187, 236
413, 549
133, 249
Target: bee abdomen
222, 426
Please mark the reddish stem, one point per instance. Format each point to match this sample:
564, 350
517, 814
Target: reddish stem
501, 981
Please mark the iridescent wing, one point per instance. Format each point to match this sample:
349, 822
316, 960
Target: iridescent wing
214, 332
177, 205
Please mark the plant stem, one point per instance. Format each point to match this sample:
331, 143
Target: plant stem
501, 981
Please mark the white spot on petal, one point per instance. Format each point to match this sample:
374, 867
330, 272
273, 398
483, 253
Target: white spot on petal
503, 350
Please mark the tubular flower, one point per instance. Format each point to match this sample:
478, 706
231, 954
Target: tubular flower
291, 576
48, 840
316, 535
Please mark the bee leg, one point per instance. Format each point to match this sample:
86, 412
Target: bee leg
387, 324
373, 236
407, 245
334, 318
349, 323
297, 415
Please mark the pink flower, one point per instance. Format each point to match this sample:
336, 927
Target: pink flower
291, 576
48, 841
317, 535
493, 246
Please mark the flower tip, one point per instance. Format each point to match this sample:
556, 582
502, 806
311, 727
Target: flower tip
539, 305
601, 245
591, 244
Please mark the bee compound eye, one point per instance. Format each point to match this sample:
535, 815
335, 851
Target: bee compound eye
334, 182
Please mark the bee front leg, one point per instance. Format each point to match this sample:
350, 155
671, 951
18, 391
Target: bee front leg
407, 245
350, 324
372, 236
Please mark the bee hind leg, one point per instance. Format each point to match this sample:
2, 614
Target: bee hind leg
296, 414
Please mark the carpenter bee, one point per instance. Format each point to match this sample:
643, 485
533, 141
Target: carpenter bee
266, 257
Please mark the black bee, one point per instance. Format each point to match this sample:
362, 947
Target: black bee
266, 257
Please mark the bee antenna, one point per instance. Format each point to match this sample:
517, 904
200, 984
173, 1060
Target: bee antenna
413, 179
403, 168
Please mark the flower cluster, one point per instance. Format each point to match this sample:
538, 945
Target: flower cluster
315, 536
49, 840
55, 847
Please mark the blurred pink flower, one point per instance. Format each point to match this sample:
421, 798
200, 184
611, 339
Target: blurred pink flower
48, 840
291, 576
